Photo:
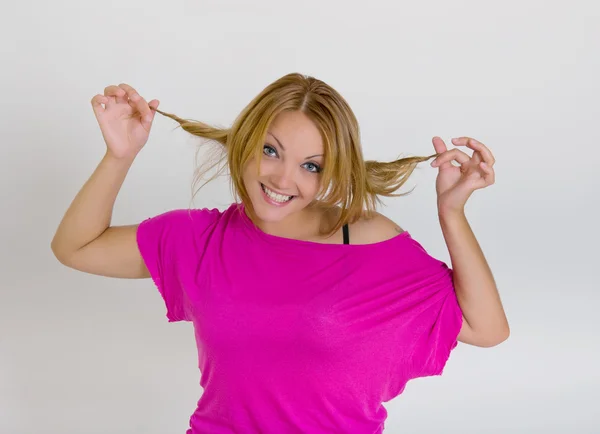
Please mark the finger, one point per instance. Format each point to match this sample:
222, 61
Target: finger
144, 108
127, 88
137, 102
131, 93
489, 173
484, 179
153, 106
476, 146
97, 102
439, 145
445, 159
115, 94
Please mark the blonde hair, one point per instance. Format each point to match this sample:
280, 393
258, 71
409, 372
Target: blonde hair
346, 179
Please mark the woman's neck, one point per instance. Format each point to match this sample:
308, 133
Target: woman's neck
305, 225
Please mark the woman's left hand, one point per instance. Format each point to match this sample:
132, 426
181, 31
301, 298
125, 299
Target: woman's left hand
455, 184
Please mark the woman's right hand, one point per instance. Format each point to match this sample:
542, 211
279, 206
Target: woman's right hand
125, 120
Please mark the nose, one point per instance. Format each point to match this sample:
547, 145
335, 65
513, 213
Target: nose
283, 178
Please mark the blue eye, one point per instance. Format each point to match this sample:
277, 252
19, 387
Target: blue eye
266, 148
316, 169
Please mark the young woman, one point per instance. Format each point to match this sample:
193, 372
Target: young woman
310, 308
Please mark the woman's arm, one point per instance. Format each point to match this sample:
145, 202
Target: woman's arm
85, 239
484, 321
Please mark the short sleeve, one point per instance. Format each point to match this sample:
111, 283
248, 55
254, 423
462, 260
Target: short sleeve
439, 322
172, 245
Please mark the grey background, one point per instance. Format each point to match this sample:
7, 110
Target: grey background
86, 354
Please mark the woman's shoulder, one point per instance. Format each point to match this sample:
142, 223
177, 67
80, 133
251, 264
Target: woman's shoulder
373, 228
370, 228
183, 219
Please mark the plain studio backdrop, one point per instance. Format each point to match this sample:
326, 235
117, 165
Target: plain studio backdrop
87, 354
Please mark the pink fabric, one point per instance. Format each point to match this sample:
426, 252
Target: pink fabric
295, 336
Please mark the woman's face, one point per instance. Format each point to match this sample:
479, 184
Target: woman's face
289, 177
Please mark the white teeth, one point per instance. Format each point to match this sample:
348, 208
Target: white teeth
275, 196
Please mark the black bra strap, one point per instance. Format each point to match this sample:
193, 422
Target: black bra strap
346, 235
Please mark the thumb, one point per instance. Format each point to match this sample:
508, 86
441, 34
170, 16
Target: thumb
153, 106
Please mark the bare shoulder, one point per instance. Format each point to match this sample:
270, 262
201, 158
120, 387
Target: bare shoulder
373, 229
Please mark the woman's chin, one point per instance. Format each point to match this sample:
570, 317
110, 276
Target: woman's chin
272, 213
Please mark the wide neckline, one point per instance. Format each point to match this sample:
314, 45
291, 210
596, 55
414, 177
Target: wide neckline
275, 239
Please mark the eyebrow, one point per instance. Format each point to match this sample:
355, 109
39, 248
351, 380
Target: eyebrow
281, 146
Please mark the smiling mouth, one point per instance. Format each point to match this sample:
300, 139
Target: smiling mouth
279, 198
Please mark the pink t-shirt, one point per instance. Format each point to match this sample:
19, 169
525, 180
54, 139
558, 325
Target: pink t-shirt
296, 336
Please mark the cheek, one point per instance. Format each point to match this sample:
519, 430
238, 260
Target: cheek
249, 177
309, 185
268, 168
249, 172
